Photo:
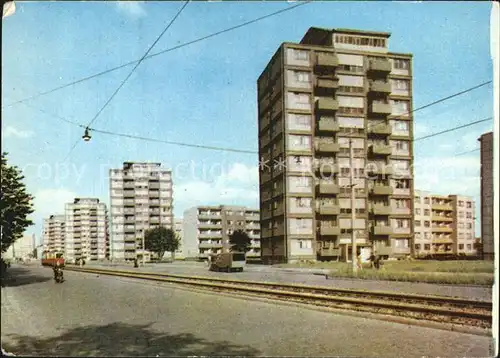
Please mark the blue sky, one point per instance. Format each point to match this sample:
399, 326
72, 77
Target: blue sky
205, 93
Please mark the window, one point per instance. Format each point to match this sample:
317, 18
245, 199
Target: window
469, 215
400, 84
427, 223
400, 107
417, 247
401, 126
298, 121
402, 184
427, 247
426, 201
300, 55
299, 142
460, 246
460, 203
427, 212
469, 226
469, 247
401, 64
469, 205
417, 223
427, 235
460, 214
417, 211
305, 244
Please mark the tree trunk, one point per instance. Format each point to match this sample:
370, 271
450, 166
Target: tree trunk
172, 255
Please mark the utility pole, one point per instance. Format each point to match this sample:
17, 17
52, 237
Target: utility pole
353, 209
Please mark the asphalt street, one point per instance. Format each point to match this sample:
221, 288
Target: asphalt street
95, 315
307, 277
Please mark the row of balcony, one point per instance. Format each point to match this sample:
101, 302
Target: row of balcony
374, 65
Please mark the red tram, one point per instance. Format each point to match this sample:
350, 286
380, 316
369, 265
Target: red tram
50, 258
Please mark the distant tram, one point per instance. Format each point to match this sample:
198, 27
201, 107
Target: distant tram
50, 258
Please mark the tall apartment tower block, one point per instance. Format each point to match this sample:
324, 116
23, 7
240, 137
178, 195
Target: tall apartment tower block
444, 225
141, 198
54, 233
334, 91
86, 230
207, 229
487, 233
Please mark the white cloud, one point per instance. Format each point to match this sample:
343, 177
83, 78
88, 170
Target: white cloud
240, 185
14, 132
134, 9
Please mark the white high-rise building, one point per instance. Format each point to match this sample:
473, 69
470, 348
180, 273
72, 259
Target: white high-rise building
86, 230
141, 198
54, 234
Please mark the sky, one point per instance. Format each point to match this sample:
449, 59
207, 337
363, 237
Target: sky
205, 93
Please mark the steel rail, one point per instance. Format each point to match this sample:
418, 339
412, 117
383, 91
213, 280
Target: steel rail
394, 308
441, 300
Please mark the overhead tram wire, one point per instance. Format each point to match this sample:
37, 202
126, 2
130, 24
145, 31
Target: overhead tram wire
453, 129
130, 74
159, 53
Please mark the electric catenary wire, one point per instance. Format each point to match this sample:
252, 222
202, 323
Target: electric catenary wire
159, 53
130, 73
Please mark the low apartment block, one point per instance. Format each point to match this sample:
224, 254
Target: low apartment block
207, 229
141, 199
336, 92
86, 230
54, 234
444, 224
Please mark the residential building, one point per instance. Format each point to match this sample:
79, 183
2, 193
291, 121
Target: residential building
207, 229
54, 233
444, 224
178, 228
141, 199
334, 91
23, 248
86, 230
487, 233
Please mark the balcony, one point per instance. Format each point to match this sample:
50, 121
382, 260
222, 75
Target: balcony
379, 170
328, 188
379, 65
384, 129
441, 218
380, 87
325, 125
380, 108
381, 230
328, 251
381, 149
204, 245
445, 207
442, 240
325, 230
329, 209
326, 147
381, 190
326, 60
327, 105
447, 229
401, 211
381, 209
209, 215
326, 84
326, 167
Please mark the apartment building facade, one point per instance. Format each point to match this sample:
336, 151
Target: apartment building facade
335, 90
54, 233
207, 229
487, 210
141, 199
444, 225
86, 230
23, 248
179, 231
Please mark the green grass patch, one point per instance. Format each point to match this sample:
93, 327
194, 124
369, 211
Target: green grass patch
387, 273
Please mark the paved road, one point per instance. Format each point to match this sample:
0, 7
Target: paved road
90, 315
271, 274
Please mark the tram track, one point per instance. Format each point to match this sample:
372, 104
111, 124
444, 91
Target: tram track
421, 307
